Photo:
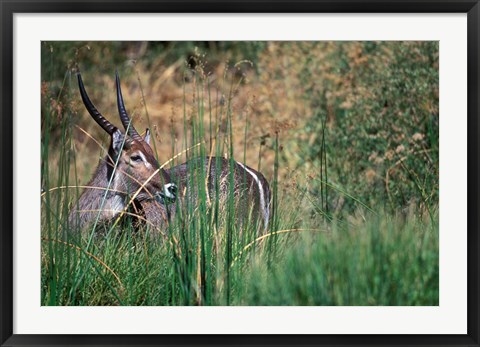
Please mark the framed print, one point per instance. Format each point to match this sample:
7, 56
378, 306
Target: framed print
239, 173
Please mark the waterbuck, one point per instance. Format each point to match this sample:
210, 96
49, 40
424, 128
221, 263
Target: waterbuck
130, 176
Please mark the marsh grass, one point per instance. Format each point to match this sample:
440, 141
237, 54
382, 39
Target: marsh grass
313, 253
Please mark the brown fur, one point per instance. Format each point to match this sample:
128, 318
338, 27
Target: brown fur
126, 179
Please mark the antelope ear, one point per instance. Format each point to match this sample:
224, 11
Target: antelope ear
119, 141
146, 138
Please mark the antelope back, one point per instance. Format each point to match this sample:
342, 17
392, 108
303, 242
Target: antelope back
251, 192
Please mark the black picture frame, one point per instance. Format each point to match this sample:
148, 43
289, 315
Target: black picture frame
10, 7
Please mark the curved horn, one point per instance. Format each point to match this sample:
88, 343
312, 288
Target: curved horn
105, 124
127, 124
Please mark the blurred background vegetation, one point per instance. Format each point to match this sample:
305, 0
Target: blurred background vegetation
358, 156
369, 109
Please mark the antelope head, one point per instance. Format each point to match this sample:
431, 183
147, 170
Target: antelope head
132, 167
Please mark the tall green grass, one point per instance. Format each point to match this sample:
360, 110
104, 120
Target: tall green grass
386, 261
309, 255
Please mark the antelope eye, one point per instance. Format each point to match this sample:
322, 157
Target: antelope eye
136, 158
